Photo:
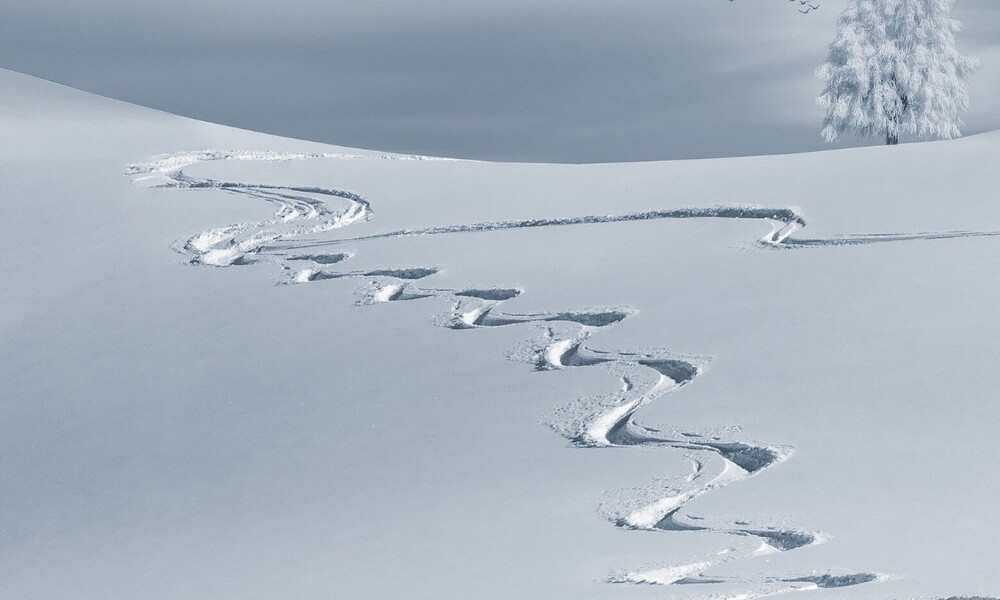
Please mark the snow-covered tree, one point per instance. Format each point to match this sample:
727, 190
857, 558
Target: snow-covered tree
894, 69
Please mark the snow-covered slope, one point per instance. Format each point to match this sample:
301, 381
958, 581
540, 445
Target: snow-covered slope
241, 366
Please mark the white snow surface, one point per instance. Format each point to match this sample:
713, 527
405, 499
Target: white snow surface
237, 366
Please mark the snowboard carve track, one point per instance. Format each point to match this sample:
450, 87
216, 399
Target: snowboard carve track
593, 422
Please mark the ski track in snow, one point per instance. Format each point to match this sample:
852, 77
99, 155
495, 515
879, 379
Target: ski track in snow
288, 239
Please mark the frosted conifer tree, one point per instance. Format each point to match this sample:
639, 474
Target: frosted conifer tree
893, 69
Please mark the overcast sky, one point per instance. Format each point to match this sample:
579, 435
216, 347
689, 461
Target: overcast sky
566, 81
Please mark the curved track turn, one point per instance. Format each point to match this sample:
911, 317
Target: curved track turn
288, 239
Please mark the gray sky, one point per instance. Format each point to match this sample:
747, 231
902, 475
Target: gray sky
566, 81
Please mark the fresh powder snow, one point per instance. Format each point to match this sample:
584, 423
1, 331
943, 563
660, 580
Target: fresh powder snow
242, 366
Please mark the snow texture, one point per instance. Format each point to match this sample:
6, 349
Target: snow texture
195, 432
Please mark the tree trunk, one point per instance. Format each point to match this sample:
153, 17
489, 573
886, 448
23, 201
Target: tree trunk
891, 139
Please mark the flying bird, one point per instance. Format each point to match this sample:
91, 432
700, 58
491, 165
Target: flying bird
809, 6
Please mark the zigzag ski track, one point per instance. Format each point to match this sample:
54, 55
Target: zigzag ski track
288, 239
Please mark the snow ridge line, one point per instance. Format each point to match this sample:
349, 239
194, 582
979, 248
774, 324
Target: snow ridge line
607, 421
